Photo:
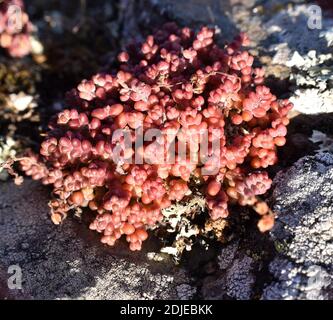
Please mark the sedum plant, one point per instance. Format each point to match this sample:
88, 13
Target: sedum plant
181, 115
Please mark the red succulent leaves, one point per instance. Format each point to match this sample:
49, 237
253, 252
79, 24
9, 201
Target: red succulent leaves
192, 91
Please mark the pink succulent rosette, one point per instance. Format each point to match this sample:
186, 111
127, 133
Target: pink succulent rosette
206, 103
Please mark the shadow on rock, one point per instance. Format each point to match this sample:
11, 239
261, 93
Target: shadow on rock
69, 262
298, 143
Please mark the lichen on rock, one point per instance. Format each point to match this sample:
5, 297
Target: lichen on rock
303, 201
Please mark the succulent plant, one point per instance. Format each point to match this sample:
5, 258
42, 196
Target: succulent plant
180, 114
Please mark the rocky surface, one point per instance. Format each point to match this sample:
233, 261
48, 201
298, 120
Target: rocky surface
69, 261
294, 262
303, 234
235, 279
309, 57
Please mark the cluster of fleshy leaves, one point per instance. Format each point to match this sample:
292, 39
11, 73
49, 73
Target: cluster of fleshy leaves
181, 83
15, 28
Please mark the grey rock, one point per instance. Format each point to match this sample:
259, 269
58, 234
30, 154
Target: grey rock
186, 291
286, 26
235, 280
240, 279
153, 13
69, 262
303, 200
227, 255
313, 74
310, 56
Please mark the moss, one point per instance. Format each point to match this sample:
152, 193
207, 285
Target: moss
280, 247
16, 76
